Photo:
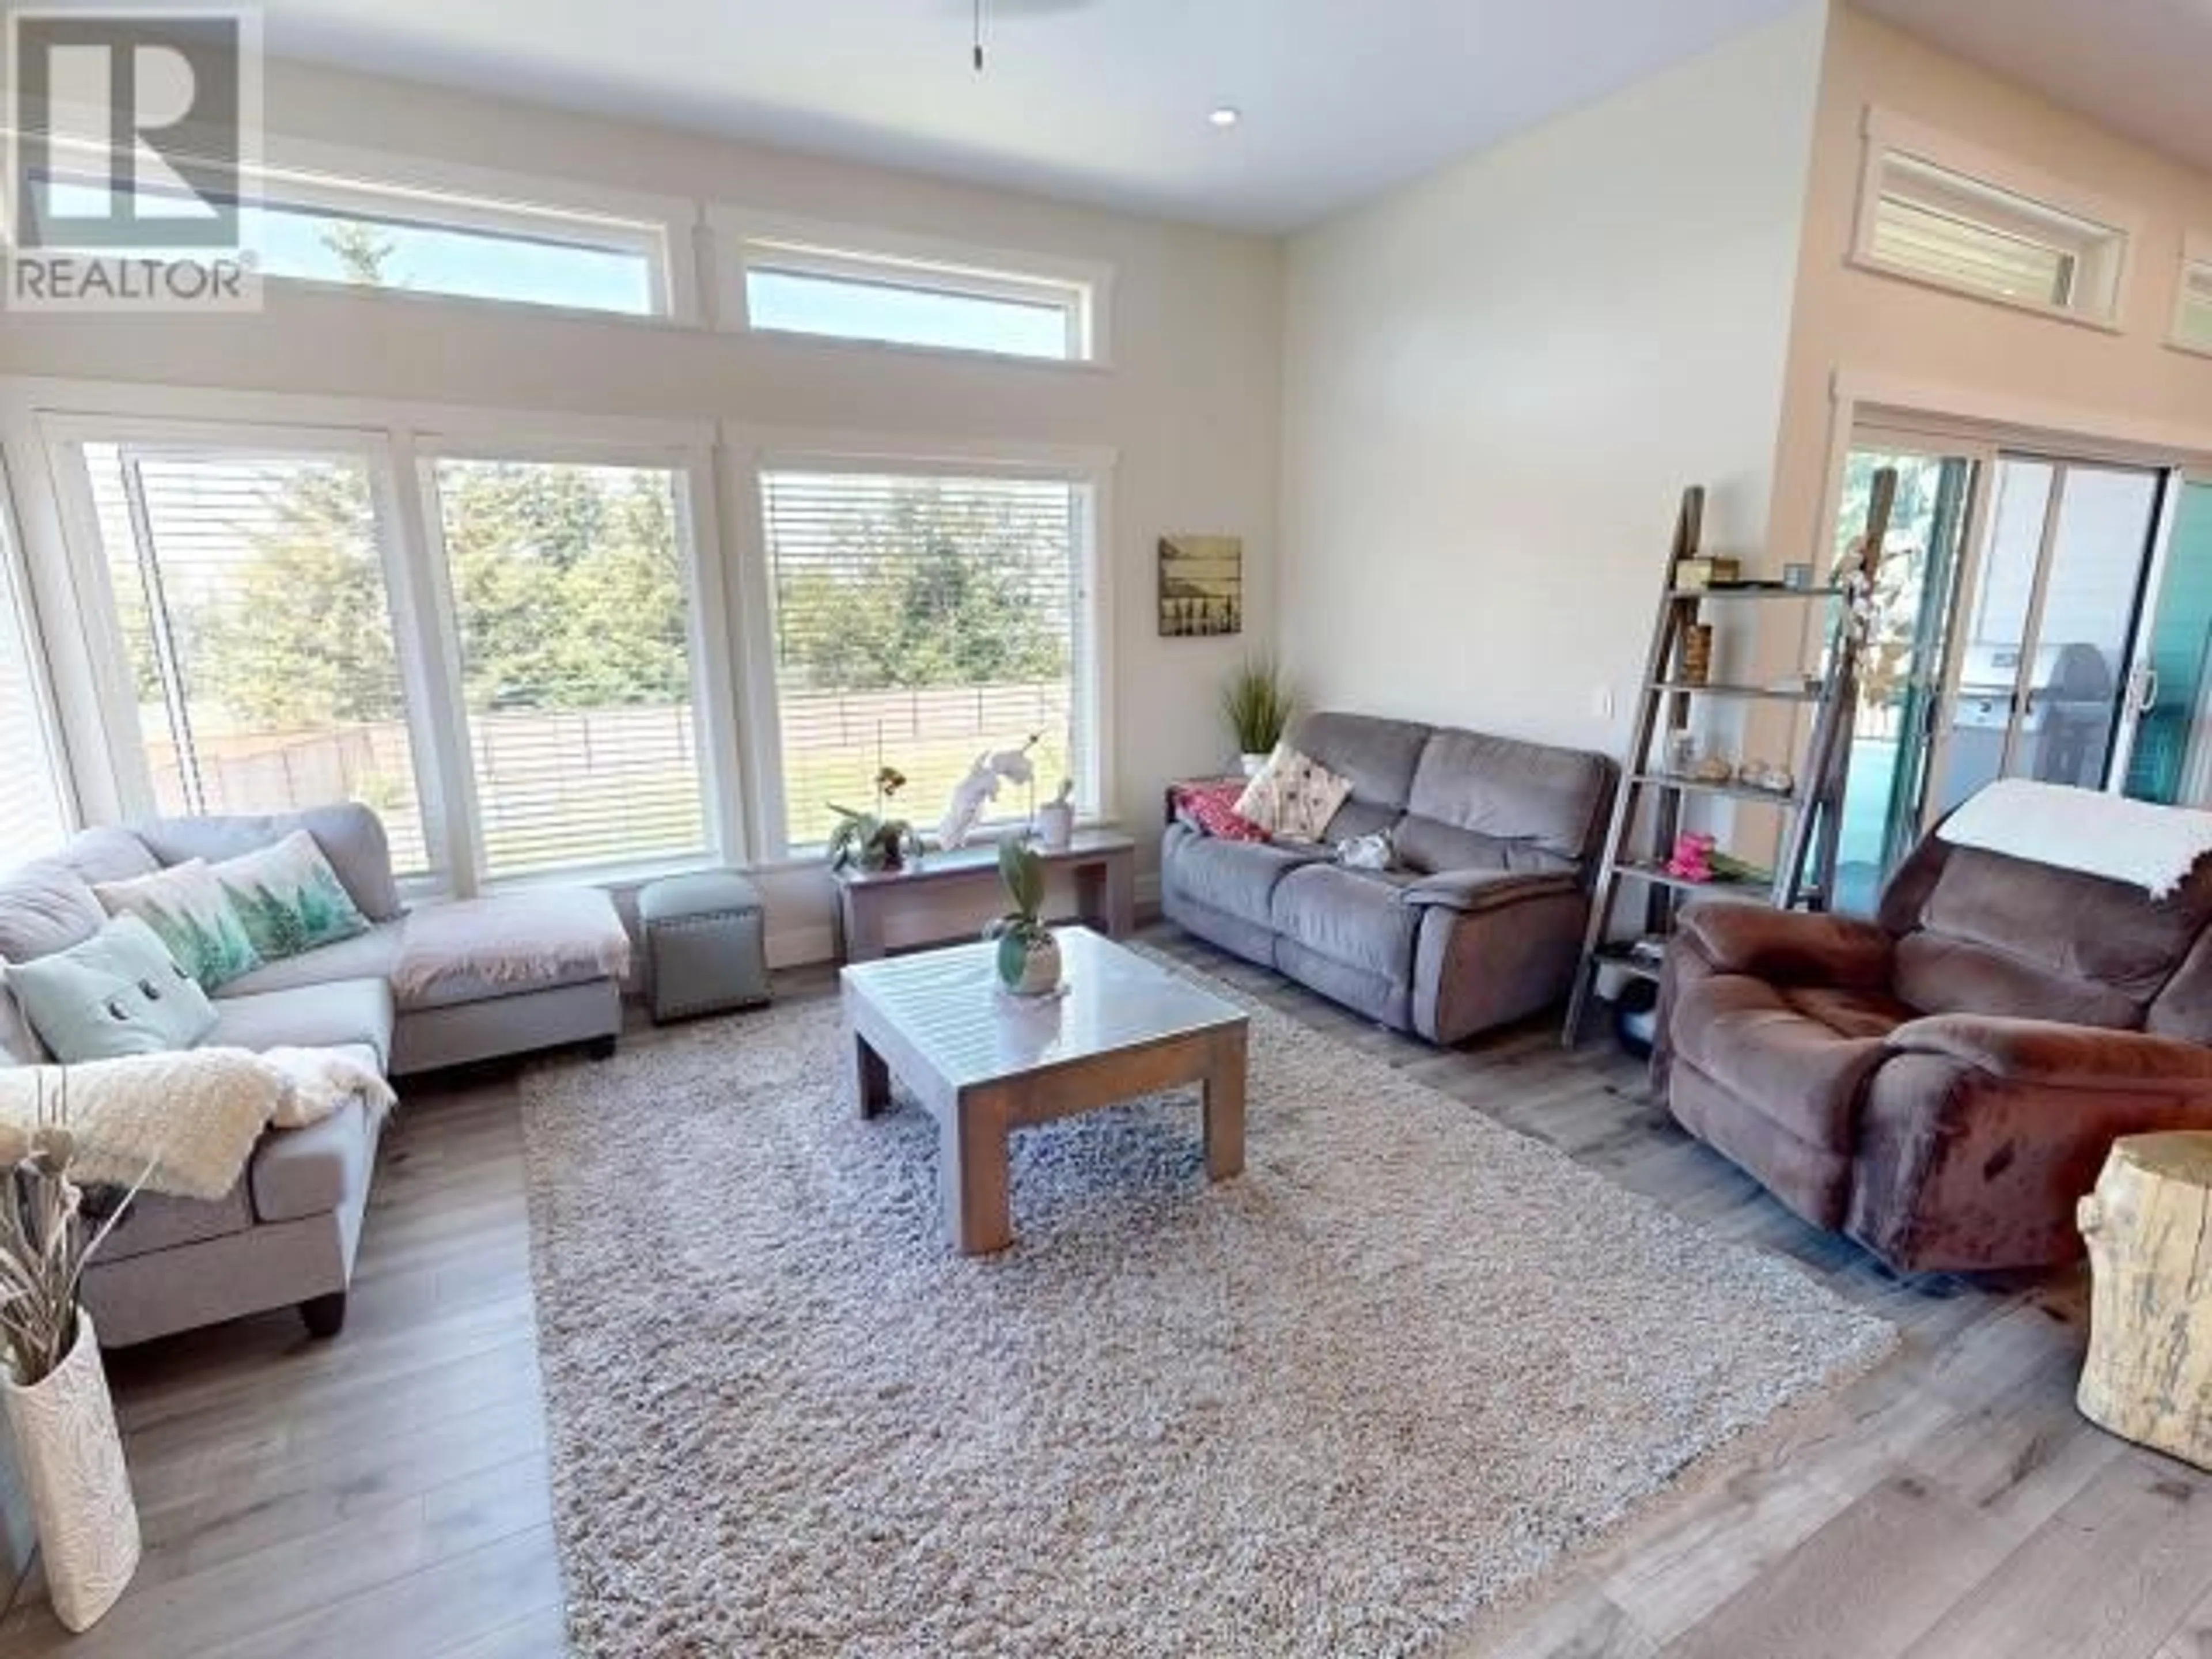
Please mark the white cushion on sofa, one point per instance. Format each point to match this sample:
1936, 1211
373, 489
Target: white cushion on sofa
372, 955
325, 1016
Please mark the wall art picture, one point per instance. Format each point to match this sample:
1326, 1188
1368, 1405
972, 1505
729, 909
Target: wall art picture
1201, 586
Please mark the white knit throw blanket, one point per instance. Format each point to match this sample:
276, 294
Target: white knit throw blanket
2153, 847
186, 1121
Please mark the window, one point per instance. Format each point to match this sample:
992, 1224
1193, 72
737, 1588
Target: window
861, 285
1921, 216
920, 621
570, 594
32, 817
257, 634
2192, 317
311, 228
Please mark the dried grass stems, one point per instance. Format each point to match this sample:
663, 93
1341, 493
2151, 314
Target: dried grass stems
43, 1243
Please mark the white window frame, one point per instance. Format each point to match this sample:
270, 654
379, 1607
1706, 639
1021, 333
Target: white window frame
2098, 234
358, 183
745, 241
713, 734
15, 589
754, 451
397, 438
2193, 287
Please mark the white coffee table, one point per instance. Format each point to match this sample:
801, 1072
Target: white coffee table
984, 1064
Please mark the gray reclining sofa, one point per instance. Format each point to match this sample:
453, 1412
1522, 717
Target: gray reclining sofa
286, 1234
1481, 921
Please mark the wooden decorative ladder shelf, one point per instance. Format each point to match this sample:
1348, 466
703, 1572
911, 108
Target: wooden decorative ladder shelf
1648, 801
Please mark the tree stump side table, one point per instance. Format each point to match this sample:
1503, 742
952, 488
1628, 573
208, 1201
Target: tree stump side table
2149, 1375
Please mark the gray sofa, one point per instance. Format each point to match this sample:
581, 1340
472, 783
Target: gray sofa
1479, 925
286, 1235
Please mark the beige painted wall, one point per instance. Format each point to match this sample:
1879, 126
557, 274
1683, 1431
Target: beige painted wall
1499, 379
1190, 402
1988, 355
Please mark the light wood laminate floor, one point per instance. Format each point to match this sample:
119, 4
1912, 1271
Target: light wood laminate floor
386, 1494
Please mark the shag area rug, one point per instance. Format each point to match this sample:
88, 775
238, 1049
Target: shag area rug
1335, 1407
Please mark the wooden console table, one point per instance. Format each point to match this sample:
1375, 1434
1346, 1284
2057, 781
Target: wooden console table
1102, 862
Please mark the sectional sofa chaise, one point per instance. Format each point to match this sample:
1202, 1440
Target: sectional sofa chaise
426, 986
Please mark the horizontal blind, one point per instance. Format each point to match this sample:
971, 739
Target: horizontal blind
919, 621
32, 818
1959, 250
571, 601
256, 625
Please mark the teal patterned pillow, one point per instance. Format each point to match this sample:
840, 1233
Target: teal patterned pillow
189, 912
289, 898
118, 992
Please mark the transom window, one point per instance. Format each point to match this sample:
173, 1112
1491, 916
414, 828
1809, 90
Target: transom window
308, 228
797, 285
1925, 218
920, 621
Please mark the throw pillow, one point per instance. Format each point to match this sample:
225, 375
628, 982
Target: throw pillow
1294, 795
186, 907
1211, 809
289, 897
118, 992
1372, 852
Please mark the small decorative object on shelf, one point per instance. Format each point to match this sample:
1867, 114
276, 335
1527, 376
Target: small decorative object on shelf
1713, 768
1692, 858
1706, 571
1759, 774
1259, 706
874, 841
981, 785
67, 1447
1797, 576
1029, 955
1055, 819
1696, 653
1681, 752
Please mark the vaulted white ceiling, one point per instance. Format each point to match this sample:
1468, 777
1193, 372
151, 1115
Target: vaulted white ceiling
2141, 67
1098, 101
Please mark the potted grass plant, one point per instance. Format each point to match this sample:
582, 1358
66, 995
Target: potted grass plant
1029, 955
54, 1389
1258, 705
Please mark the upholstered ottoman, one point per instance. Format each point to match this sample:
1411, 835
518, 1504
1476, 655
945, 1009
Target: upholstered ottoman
705, 947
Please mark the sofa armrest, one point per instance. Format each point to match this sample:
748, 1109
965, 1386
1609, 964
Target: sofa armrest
2058, 1055
1787, 947
1468, 891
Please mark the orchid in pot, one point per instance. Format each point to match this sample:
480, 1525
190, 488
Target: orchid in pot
55, 1390
875, 841
1029, 955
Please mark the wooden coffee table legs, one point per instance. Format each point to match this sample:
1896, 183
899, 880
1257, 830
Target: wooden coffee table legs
1223, 1088
972, 1123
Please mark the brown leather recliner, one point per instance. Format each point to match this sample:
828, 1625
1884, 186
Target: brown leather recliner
1943, 1082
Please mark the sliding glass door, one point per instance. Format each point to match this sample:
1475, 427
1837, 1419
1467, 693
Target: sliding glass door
1901, 674
2170, 754
2052, 629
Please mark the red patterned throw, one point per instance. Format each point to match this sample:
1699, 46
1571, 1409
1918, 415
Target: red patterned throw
1211, 807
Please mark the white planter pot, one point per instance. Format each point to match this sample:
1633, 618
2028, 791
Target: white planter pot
1056, 826
1038, 968
71, 1460
1253, 765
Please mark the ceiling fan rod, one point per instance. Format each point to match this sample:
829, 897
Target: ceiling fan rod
979, 36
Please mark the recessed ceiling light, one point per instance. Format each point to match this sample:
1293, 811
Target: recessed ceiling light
1225, 115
